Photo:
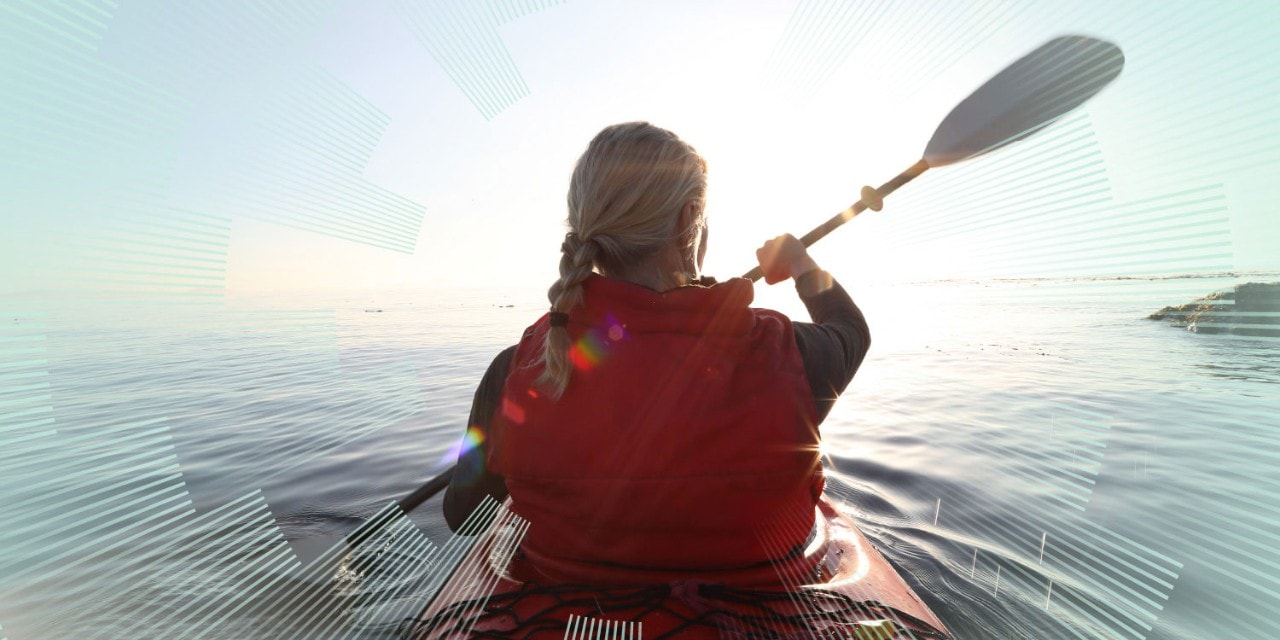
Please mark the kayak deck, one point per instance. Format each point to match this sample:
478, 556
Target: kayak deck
851, 592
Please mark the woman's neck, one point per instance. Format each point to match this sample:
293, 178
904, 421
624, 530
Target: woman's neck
661, 272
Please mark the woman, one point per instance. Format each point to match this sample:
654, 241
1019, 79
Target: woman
653, 422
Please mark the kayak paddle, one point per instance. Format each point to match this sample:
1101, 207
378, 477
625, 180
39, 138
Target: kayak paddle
1025, 97
406, 504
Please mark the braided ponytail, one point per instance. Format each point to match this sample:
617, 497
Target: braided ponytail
576, 260
625, 197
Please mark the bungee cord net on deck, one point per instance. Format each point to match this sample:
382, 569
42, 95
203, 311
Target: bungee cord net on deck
674, 610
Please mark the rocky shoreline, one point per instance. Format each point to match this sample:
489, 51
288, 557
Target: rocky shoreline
1251, 309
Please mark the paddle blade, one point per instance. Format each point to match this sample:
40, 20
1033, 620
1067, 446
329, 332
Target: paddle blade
1025, 97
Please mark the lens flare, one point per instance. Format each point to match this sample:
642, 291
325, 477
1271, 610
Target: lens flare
512, 411
472, 438
469, 468
587, 352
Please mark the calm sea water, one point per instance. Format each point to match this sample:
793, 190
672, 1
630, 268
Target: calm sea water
1037, 458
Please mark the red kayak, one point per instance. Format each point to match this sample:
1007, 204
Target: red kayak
841, 588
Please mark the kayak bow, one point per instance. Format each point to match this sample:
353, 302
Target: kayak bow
849, 591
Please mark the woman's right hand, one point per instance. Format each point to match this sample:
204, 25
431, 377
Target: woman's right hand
784, 257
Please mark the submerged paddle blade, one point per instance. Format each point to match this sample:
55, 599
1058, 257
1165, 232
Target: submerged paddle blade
1025, 97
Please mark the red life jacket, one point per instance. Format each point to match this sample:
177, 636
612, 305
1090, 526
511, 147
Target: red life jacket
686, 440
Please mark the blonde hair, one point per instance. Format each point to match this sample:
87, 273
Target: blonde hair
625, 197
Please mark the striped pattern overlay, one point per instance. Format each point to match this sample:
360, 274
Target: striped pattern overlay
279, 139
462, 37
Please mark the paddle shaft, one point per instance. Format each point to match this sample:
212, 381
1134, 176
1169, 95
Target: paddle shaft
851, 212
1021, 99
407, 504
426, 491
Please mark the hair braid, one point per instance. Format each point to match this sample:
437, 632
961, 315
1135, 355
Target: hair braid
577, 259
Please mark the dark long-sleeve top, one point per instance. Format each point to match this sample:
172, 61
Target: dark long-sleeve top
832, 347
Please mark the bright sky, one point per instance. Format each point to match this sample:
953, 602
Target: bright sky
796, 105
494, 190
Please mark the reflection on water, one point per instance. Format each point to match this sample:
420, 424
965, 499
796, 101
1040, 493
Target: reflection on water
1078, 462
1244, 360
1039, 459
